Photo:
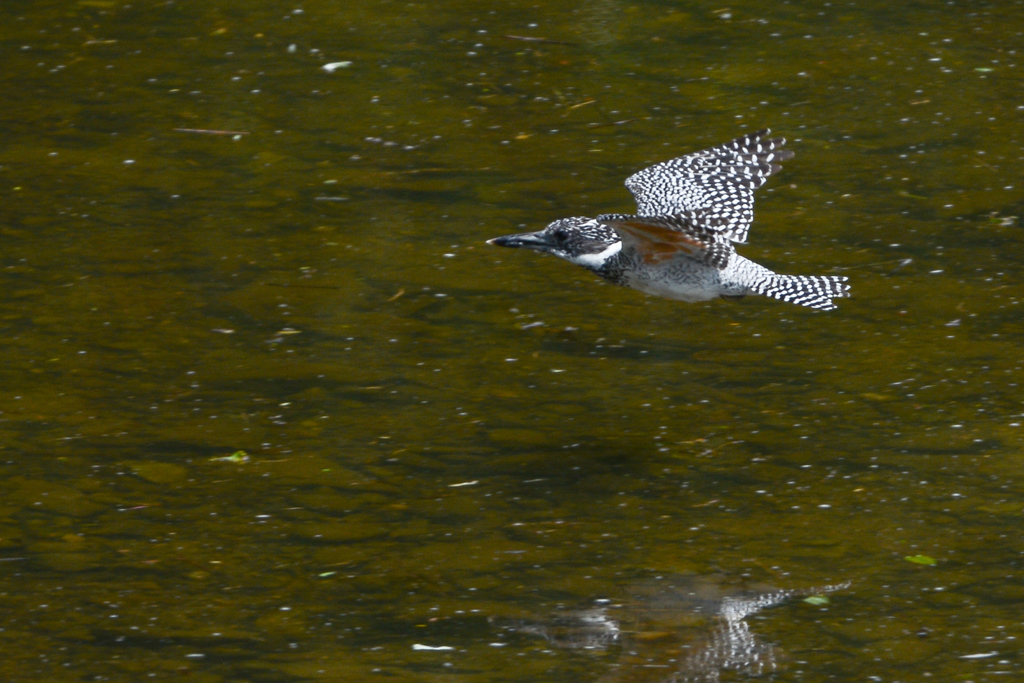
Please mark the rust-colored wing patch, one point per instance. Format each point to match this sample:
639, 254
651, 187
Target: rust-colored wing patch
661, 238
659, 243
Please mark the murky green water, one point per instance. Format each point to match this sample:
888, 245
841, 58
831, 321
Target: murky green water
434, 438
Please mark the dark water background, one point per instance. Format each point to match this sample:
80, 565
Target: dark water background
431, 434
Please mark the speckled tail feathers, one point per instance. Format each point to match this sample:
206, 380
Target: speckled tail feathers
813, 291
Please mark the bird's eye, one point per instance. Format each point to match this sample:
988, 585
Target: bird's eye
561, 234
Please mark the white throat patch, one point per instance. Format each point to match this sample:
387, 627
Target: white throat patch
597, 260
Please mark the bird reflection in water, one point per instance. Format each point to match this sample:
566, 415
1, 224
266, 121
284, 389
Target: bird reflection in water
687, 629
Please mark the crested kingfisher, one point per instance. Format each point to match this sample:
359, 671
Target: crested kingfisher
679, 244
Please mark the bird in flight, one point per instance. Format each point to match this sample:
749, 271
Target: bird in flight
680, 242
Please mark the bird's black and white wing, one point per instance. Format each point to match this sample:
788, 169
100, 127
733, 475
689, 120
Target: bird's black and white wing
713, 187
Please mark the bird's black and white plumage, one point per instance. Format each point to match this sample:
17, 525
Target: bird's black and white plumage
679, 244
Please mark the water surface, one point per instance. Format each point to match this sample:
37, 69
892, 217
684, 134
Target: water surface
274, 411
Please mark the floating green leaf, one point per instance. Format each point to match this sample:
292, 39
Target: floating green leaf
817, 600
920, 559
236, 457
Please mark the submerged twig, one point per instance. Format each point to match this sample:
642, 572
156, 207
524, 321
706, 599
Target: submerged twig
532, 39
205, 131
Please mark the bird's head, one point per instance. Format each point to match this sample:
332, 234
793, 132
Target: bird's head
580, 240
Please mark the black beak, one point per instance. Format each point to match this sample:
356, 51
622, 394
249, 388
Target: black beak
528, 240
